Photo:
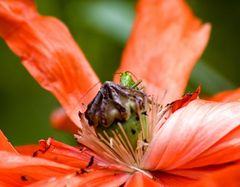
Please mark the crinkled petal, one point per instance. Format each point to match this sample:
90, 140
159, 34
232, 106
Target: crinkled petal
226, 177
166, 41
172, 180
226, 96
201, 130
185, 100
59, 152
5, 145
27, 149
196, 174
188, 177
96, 178
49, 53
28, 175
160, 179
16, 169
227, 149
12, 160
53, 154
140, 180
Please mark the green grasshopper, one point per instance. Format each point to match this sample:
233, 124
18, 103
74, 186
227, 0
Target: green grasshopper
127, 81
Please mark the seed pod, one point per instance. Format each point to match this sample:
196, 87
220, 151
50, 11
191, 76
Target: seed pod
116, 105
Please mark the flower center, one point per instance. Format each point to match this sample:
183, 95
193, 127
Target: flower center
119, 124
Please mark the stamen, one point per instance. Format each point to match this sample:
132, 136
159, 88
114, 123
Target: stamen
122, 146
127, 139
120, 123
143, 172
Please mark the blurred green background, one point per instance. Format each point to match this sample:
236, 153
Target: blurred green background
101, 28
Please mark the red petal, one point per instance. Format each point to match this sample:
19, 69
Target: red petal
140, 180
226, 177
96, 178
5, 145
227, 96
202, 129
27, 149
166, 41
17, 170
172, 180
225, 150
197, 174
12, 160
61, 121
59, 152
49, 53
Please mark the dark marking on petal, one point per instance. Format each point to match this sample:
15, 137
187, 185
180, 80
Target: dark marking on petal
90, 162
24, 178
83, 171
35, 154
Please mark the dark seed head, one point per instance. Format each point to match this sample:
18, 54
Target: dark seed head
114, 103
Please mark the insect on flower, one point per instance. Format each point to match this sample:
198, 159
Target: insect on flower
125, 137
127, 80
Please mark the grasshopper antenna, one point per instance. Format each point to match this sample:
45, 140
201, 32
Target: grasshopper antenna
89, 90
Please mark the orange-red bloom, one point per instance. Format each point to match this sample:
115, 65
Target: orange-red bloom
188, 140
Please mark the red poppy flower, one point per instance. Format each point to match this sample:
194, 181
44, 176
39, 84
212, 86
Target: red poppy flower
183, 141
